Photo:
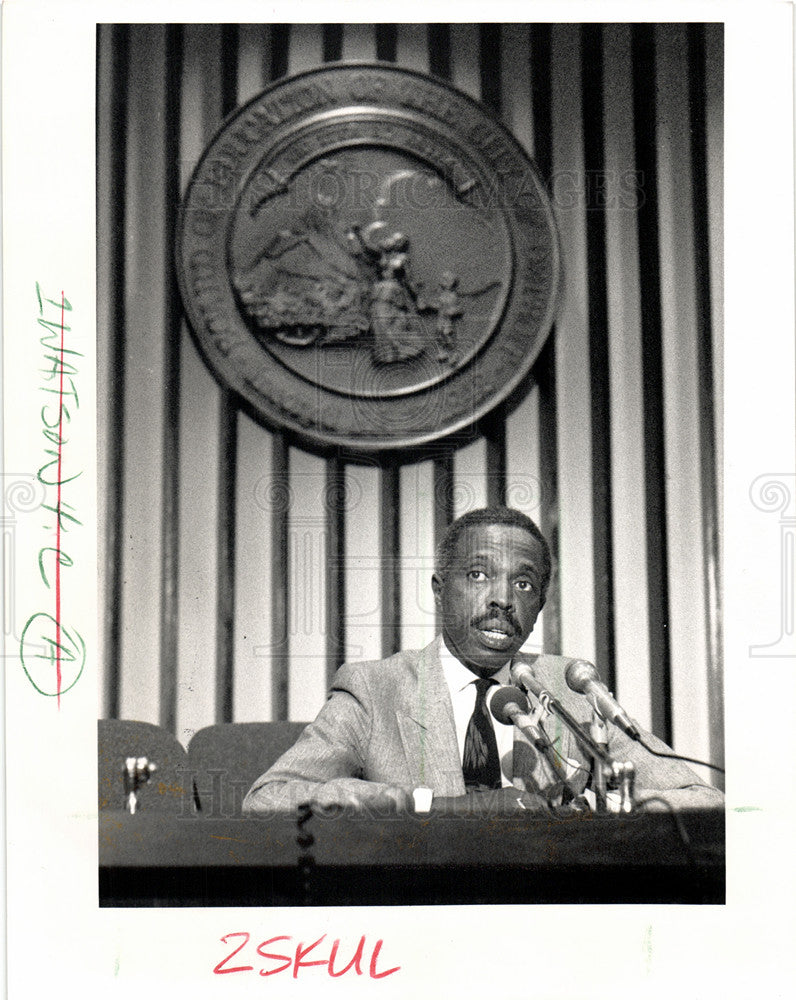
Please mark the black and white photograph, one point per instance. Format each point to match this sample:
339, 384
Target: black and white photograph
398, 530
409, 342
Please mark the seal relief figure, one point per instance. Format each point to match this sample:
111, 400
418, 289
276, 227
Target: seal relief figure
312, 284
367, 258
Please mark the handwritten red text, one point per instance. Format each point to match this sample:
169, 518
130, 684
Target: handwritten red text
281, 955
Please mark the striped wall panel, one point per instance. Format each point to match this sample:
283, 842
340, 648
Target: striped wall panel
252, 628
145, 336
624, 191
242, 568
202, 410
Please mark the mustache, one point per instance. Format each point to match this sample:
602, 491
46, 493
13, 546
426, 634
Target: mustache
496, 616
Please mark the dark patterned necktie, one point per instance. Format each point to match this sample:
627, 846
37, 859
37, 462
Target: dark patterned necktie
480, 761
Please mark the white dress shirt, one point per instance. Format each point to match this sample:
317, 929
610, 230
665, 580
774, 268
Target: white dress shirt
461, 685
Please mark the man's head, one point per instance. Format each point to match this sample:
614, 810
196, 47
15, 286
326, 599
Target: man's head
493, 569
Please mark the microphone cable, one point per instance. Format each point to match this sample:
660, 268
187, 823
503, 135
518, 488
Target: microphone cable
677, 756
306, 860
679, 826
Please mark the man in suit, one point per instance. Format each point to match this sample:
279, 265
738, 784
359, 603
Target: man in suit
421, 718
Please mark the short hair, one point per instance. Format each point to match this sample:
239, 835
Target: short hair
493, 515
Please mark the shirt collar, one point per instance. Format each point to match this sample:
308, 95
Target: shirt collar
458, 676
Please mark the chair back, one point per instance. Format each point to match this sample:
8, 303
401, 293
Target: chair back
226, 758
168, 790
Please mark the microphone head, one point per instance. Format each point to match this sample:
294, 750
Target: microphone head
519, 672
523, 676
507, 695
579, 674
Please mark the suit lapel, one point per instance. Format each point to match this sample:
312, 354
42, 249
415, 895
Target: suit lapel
428, 733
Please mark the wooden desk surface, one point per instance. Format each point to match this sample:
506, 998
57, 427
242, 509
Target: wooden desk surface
449, 855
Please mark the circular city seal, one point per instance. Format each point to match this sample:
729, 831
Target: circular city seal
367, 258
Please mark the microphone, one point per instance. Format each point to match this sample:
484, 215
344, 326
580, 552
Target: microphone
522, 674
510, 706
582, 677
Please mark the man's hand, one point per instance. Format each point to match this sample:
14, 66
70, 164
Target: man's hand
499, 801
357, 794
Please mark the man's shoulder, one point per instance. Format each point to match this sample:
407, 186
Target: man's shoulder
401, 664
387, 684
543, 663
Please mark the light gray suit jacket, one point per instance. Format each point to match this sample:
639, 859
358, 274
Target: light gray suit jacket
391, 721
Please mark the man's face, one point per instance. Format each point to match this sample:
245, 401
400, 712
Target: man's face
490, 596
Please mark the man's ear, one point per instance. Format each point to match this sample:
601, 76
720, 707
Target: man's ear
436, 586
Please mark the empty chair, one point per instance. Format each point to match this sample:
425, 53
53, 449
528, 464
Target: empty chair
169, 788
226, 758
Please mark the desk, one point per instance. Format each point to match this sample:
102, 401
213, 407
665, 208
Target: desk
451, 857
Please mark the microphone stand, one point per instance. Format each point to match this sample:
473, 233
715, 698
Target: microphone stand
599, 733
610, 774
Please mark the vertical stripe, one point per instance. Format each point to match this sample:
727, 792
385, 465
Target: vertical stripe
390, 529
306, 662
439, 45
229, 68
251, 641
542, 99
335, 566
470, 461
417, 510
714, 153
225, 601
145, 322
306, 585
523, 488
364, 542
253, 636
412, 47
644, 111
549, 519
544, 372
595, 193
698, 100
441, 64
255, 59
359, 42
628, 460
573, 391
489, 43
443, 494
442, 484
282, 35
228, 455
169, 609
416, 480
363, 569
470, 477
681, 376
309, 607
201, 458
515, 84
443, 497
493, 428
112, 78
464, 58
386, 42
332, 42
307, 46
280, 565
